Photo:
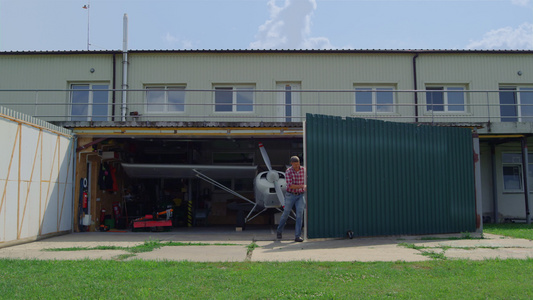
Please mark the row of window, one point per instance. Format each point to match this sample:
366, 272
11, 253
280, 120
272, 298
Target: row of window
516, 103
241, 99
172, 99
93, 100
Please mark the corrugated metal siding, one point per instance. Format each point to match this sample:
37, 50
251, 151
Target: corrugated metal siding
49, 73
479, 72
203, 71
315, 70
385, 178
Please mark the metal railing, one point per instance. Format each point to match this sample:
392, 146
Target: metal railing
480, 106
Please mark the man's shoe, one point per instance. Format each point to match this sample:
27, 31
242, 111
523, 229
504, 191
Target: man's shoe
279, 236
298, 239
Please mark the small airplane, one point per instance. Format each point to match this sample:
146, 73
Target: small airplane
269, 186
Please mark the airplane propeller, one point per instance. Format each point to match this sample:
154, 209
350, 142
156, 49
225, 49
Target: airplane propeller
272, 176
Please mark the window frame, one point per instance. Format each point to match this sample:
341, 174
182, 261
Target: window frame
89, 105
517, 163
235, 88
374, 91
445, 90
165, 88
517, 91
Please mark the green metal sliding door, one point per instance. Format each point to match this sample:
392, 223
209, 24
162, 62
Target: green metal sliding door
384, 178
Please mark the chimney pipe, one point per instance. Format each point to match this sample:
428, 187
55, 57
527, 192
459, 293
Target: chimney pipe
124, 67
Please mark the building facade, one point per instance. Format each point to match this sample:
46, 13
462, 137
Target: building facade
213, 106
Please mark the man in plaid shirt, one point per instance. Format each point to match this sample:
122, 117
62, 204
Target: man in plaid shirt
295, 179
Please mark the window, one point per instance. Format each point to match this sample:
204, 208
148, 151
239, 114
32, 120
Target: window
165, 99
512, 172
234, 98
445, 98
89, 102
374, 99
288, 108
288, 102
516, 104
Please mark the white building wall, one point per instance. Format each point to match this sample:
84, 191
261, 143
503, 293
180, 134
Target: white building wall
315, 72
54, 73
479, 72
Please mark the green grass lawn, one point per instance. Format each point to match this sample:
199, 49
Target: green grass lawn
523, 231
138, 279
98, 279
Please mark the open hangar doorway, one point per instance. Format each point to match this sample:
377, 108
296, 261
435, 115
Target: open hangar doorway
118, 196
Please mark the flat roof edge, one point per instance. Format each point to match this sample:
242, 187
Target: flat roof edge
252, 51
175, 124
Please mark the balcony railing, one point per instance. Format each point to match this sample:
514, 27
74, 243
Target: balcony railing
480, 106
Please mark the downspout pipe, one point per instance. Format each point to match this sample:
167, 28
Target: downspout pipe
114, 84
525, 172
124, 67
477, 180
494, 183
415, 86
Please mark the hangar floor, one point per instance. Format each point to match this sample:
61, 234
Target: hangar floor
207, 233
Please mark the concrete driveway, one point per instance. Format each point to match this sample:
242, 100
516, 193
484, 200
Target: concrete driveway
227, 244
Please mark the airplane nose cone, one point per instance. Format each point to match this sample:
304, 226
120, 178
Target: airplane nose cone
272, 176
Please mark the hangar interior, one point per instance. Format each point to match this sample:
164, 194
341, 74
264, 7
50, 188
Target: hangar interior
115, 198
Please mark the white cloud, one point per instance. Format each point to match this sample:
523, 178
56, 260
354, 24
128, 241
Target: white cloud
508, 38
289, 27
520, 2
177, 42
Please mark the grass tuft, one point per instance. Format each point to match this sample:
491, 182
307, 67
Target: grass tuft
411, 246
464, 236
434, 255
147, 246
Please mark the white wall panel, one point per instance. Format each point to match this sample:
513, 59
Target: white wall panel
36, 169
10, 208
32, 223
50, 217
9, 136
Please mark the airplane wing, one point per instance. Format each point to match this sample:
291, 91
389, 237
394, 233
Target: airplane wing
187, 171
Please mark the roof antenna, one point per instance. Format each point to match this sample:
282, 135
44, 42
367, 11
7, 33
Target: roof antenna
88, 8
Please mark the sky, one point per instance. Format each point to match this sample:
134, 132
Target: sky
64, 25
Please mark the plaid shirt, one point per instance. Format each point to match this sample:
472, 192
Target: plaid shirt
295, 178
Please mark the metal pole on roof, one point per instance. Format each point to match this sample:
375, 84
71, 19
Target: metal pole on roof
88, 8
124, 66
